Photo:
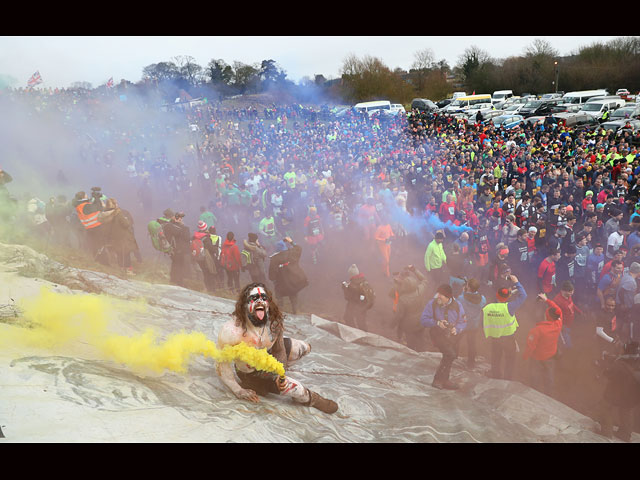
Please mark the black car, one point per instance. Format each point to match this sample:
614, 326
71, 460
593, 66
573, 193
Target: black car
444, 103
538, 108
423, 105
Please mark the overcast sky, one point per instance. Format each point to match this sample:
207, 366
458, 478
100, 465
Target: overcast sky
64, 60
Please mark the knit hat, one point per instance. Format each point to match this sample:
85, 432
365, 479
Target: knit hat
533, 229
599, 206
252, 237
168, 213
202, 225
588, 193
503, 294
353, 270
445, 290
634, 267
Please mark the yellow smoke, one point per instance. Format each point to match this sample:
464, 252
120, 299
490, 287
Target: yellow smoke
54, 320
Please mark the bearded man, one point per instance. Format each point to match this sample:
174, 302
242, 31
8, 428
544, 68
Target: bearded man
259, 323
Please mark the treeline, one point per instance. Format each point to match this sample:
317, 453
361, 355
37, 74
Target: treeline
538, 69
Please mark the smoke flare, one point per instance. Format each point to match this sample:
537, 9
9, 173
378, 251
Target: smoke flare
54, 320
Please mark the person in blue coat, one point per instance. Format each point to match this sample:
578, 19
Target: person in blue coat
472, 301
445, 317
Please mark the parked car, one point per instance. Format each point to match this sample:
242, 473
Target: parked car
616, 125
622, 92
423, 105
565, 107
630, 110
507, 121
443, 103
538, 107
512, 109
550, 96
598, 108
576, 119
499, 97
397, 109
485, 108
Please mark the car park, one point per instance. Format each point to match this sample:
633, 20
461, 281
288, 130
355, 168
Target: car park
507, 121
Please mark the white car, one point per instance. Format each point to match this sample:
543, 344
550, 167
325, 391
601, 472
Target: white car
513, 109
397, 108
622, 91
485, 108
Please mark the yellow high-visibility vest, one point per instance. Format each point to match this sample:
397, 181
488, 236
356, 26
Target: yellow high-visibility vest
497, 321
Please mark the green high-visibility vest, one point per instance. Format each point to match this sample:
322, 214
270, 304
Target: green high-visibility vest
497, 321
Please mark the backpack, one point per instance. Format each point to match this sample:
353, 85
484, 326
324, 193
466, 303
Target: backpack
197, 249
158, 239
369, 294
245, 257
225, 259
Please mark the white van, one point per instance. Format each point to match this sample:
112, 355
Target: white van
371, 107
580, 97
611, 98
458, 95
462, 104
597, 108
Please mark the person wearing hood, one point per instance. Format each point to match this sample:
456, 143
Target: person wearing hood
542, 346
285, 271
258, 255
358, 301
435, 259
446, 319
231, 262
473, 302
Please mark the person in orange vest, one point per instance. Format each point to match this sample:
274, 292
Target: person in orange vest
383, 236
87, 211
542, 345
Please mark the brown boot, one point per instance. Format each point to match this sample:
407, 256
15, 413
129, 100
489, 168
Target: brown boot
323, 404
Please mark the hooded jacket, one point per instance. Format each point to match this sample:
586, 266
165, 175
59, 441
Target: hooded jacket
542, 341
258, 256
230, 256
472, 304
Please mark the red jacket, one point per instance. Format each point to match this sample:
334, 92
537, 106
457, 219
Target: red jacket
542, 341
230, 256
568, 309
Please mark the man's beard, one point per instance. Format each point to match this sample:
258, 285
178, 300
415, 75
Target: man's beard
259, 316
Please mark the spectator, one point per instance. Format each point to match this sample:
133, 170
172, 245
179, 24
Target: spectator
445, 318
542, 346
500, 325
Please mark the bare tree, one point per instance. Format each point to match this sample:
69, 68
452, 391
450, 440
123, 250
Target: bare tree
540, 48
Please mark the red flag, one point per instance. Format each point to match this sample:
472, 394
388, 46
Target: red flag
34, 80
110, 83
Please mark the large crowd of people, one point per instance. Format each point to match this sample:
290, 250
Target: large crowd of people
542, 218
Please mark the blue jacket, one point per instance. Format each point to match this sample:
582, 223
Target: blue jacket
473, 310
455, 318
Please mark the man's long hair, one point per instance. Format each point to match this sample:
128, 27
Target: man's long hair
276, 324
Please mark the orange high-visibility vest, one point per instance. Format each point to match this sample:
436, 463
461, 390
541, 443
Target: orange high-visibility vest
88, 220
